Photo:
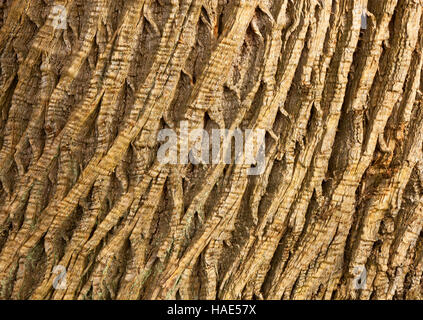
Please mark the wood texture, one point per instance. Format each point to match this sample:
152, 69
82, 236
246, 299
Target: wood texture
81, 186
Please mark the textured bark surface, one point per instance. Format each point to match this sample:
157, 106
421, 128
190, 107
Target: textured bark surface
81, 186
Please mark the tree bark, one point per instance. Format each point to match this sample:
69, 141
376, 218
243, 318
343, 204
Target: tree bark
87, 210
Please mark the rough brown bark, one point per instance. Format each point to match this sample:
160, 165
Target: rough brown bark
81, 186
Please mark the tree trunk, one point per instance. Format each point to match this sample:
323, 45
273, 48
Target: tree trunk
88, 210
